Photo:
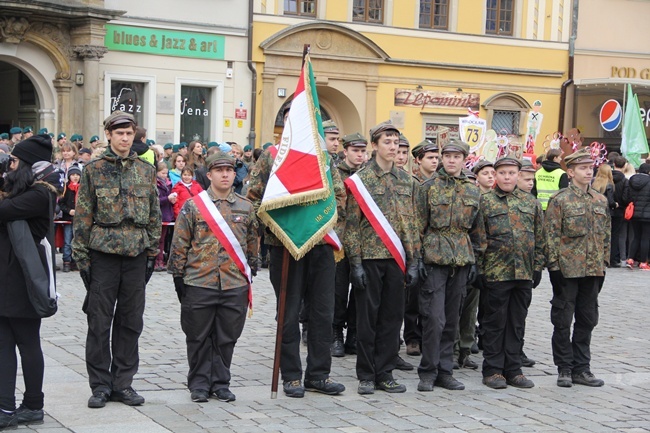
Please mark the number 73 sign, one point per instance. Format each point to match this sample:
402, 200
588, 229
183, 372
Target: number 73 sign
472, 131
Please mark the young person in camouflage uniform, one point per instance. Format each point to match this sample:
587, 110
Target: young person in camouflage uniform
212, 290
577, 231
427, 157
376, 277
511, 263
117, 227
449, 206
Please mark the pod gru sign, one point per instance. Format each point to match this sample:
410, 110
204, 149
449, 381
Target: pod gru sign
164, 42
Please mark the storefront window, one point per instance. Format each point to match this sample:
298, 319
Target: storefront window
195, 113
128, 97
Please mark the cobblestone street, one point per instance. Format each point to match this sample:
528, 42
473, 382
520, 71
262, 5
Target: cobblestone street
620, 351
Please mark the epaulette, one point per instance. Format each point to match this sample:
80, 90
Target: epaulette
243, 197
563, 190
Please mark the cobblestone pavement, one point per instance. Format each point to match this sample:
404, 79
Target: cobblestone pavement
620, 350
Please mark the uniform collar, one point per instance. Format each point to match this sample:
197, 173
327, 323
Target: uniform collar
380, 172
230, 199
580, 192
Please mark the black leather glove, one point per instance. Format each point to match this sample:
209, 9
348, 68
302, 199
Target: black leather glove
148, 270
557, 279
358, 276
472, 274
412, 275
537, 278
84, 273
179, 286
481, 282
422, 270
253, 263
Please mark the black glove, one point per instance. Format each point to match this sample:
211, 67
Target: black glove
84, 273
481, 282
422, 270
472, 274
537, 278
253, 263
148, 270
557, 279
358, 276
179, 286
412, 275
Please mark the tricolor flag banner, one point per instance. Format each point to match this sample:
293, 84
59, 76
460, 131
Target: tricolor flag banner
634, 142
299, 205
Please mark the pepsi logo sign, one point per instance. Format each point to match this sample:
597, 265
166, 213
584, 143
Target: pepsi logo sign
611, 115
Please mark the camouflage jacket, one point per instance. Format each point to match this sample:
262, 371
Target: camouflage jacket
198, 256
512, 237
117, 210
419, 177
394, 192
345, 170
257, 184
577, 232
449, 211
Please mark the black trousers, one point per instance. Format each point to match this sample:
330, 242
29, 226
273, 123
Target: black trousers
579, 297
412, 318
380, 311
212, 321
440, 298
114, 311
640, 245
616, 255
311, 277
24, 334
504, 322
345, 308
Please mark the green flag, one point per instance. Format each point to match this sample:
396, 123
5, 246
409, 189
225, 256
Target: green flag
633, 139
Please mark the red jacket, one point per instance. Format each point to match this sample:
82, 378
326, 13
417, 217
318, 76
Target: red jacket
184, 193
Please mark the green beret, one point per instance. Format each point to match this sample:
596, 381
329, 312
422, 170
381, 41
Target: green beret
248, 148
220, 159
27, 129
168, 146
175, 147
42, 131
94, 138
581, 156
267, 145
330, 126
182, 145
507, 160
60, 136
15, 130
354, 140
51, 134
4, 136
213, 144
456, 146
377, 130
150, 142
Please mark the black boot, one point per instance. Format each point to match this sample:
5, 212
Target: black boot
351, 342
464, 360
337, 349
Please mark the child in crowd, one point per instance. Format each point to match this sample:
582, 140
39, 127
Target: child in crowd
67, 205
186, 188
167, 199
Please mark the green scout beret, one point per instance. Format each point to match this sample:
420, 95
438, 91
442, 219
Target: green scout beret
168, 146
150, 142
51, 134
330, 126
182, 145
175, 147
4, 136
42, 131
94, 138
423, 147
213, 144
15, 130
220, 159
527, 165
581, 156
354, 140
60, 136
118, 118
28, 129
507, 160
403, 141
267, 145
248, 148
481, 165
77, 137
456, 146
376, 131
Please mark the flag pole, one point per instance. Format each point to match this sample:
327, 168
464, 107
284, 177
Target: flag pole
282, 296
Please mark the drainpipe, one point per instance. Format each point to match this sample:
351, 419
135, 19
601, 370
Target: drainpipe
569, 81
251, 67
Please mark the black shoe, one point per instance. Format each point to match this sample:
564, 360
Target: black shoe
526, 361
224, 394
425, 385
199, 396
474, 348
456, 366
8, 420
337, 349
496, 381
520, 381
327, 386
448, 381
464, 361
304, 333
389, 385
413, 348
128, 396
366, 387
98, 400
66, 266
564, 379
400, 364
25, 415
293, 388
351, 343
587, 378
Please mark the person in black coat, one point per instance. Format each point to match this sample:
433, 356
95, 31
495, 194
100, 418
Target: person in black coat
22, 199
618, 251
638, 192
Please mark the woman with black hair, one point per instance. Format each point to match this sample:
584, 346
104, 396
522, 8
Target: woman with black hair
22, 198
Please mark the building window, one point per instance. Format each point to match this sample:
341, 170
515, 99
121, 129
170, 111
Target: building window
133, 94
368, 11
498, 17
506, 122
199, 110
128, 96
434, 14
300, 7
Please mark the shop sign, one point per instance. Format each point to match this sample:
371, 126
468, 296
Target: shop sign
629, 72
433, 99
164, 42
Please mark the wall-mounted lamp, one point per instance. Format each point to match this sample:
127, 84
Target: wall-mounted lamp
282, 92
229, 70
79, 78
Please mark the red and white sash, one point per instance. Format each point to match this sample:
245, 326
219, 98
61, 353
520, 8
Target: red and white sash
225, 236
377, 219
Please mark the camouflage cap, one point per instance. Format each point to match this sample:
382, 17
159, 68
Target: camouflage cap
581, 156
427, 145
118, 118
376, 131
507, 160
354, 140
469, 173
220, 159
456, 146
403, 141
330, 126
527, 165
481, 165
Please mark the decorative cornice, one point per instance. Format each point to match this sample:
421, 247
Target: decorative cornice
13, 29
89, 52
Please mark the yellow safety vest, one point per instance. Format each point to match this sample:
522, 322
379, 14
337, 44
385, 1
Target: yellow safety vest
548, 183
